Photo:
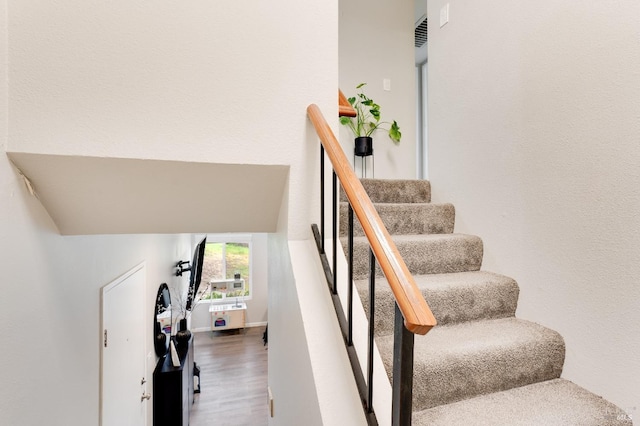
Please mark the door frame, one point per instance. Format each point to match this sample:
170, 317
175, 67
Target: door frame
422, 137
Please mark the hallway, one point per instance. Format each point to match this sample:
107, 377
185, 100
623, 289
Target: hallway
233, 371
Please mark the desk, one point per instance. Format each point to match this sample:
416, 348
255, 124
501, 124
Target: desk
227, 317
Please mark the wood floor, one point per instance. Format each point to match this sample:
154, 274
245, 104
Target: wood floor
233, 378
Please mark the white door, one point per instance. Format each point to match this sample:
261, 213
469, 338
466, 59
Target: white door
123, 358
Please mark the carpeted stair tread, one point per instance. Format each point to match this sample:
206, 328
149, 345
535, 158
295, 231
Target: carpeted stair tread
480, 365
396, 190
453, 298
424, 254
555, 402
407, 218
457, 362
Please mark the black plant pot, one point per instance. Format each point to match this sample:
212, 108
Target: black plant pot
363, 146
183, 335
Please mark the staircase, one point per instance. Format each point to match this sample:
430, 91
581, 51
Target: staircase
481, 365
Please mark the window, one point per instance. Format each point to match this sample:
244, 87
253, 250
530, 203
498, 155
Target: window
223, 261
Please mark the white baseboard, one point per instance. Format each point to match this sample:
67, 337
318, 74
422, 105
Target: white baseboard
247, 325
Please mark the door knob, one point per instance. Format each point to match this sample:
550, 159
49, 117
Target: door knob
145, 396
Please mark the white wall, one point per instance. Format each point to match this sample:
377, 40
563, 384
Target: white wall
204, 81
290, 375
533, 135
51, 310
376, 42
223, 82
335, 385
257, 307
4, 83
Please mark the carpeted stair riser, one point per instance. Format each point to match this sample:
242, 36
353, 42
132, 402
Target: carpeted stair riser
554, 402
480, 365
395, 191
461, 361
416, 218
453, 298
424, 254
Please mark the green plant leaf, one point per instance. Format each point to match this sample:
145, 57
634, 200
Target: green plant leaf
345, 120
375, 112
394, 132
352, 101
360, 85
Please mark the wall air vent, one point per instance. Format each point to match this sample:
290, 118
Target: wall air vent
420, 32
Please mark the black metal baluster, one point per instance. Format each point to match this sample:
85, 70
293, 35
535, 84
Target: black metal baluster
350, 279
372, 302
322, 197
346, 324
402, 388
334, 214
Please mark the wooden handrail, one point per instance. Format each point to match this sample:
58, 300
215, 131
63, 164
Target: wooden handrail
344, 107
418, 317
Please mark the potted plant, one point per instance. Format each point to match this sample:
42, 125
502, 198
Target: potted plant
366, 122
179, 302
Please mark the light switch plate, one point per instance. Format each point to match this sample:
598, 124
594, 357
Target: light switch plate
444, 15
386, 84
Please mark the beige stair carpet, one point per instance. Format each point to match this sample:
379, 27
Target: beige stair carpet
481, 365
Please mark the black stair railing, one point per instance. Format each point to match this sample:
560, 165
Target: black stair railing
412, 316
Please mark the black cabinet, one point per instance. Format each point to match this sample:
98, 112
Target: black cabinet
173, 389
